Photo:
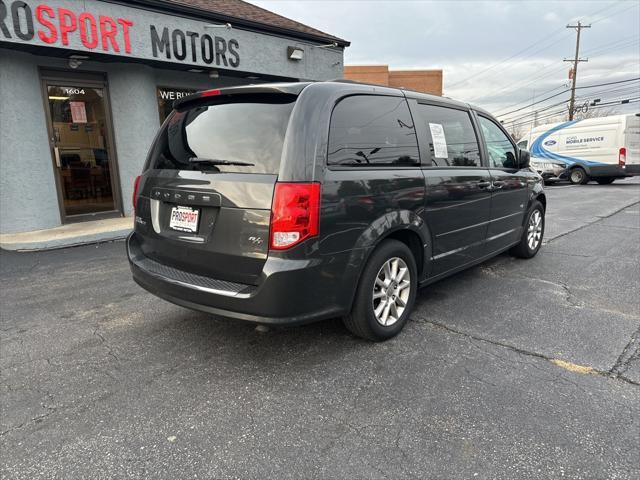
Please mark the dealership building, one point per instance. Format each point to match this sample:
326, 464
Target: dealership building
84, 86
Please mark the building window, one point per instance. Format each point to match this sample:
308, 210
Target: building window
166, 97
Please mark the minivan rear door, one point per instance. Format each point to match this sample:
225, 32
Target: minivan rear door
205, 194
458, 198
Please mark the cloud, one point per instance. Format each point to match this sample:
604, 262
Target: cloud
552, 17
494, 54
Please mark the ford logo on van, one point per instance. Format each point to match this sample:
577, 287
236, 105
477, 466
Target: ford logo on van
549, 143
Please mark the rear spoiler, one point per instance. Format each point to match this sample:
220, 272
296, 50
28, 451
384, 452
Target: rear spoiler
188, 102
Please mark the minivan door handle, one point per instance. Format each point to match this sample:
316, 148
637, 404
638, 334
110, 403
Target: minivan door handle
497, 185
483, 184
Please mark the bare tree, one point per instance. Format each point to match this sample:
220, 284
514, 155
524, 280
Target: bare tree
583, 113
595, 113
517, 132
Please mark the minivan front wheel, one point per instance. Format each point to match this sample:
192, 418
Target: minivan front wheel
532, 234
386, 293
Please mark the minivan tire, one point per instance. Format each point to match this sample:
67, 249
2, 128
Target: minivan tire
578, 176
534, 225
362, 321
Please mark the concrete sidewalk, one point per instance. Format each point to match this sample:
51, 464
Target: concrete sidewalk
68, 235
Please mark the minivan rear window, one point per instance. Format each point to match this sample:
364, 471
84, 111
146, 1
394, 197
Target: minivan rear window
370, 130
241, 130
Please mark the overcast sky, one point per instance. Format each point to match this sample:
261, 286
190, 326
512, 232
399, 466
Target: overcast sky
472, 42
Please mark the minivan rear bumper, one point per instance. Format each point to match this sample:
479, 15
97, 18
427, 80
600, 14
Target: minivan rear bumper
287, 295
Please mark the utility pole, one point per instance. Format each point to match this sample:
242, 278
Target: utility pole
574, 71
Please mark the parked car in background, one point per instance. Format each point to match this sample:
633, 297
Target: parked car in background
600, 149
290, 203
550, 170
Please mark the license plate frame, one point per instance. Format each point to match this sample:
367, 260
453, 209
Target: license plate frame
184, 219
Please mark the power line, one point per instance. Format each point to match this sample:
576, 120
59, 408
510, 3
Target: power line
553, 34
567, 90
498, 114
554, 113
501, 90
534, 103
534, 113
620, 91
478, 74
559, 112
523, 83
593, 94
613, 14
520, 85
548, 107
555, 88
623, 42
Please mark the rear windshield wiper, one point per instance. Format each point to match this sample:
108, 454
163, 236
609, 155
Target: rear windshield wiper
215, 161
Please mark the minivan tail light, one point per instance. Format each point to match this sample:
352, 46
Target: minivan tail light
622, 157
295, 214
136, 182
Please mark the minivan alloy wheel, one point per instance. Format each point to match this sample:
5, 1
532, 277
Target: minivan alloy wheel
534, 231
391, 291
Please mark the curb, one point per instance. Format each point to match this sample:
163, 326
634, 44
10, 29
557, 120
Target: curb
72, 241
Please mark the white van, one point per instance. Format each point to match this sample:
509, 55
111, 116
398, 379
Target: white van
600, 149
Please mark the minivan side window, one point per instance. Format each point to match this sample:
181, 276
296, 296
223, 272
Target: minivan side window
451, 136
523, 144
368, 130
500, 149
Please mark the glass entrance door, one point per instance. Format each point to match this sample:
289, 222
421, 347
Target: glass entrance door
80, 140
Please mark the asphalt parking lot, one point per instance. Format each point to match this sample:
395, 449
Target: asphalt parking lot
513, 369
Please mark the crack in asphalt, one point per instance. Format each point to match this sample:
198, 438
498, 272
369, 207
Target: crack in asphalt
49, 360
50, 411
547, 252
571, 298
518, 350
546, 379
403, 454
630, 353
498, 270
598, 219
105, 343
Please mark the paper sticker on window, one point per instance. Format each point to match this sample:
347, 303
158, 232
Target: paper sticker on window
78, 112
439, 140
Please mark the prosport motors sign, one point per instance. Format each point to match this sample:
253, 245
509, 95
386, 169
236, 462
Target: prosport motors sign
61, 27
113, 28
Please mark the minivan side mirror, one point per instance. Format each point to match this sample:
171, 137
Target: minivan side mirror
524, 158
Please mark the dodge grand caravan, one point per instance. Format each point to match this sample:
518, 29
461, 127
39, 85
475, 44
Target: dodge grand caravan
290, 203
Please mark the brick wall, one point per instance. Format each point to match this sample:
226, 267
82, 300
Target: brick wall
427, 81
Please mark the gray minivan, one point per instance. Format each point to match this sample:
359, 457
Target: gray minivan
295, 202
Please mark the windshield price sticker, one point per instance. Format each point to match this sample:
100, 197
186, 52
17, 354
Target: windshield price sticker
439, 140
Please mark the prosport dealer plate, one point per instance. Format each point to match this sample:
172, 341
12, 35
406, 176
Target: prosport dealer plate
184, 219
